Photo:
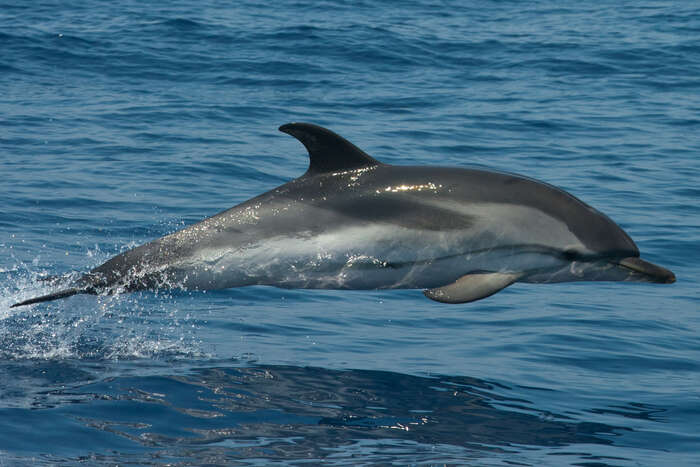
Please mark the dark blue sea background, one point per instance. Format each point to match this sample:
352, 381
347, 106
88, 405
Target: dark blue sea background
123, 121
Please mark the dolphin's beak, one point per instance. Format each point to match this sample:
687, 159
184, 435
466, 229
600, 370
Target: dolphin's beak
650, 272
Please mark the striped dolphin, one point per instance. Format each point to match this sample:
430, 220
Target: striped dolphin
352, 222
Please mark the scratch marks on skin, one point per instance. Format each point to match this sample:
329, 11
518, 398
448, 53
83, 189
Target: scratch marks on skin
354, 259
354, 175
410, 188
248, 215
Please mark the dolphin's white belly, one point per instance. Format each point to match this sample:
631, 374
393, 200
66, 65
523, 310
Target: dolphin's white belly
376, 255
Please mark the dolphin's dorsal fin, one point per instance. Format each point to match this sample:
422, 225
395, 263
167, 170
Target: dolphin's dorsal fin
328, 151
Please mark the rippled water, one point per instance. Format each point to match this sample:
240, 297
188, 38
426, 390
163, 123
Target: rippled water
120, 123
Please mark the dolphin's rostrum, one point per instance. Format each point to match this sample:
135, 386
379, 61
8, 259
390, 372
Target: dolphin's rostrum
352, 222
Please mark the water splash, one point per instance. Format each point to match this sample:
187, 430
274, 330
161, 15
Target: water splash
109, 327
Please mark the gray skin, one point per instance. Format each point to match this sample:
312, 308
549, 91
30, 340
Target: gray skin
352, 222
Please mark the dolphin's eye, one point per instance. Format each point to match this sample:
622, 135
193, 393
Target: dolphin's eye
571, 255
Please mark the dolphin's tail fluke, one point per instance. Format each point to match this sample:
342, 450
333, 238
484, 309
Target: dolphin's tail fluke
52, 296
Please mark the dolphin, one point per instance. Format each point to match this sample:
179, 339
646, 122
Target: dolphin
353, 222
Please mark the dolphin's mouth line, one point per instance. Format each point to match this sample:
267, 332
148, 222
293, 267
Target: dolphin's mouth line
650, 271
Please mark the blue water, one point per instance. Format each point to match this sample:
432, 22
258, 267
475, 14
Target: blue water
121, 122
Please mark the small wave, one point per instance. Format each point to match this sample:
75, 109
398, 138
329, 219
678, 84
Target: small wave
182, 24
4, 68
568, 66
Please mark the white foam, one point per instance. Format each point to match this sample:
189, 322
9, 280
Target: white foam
88, 327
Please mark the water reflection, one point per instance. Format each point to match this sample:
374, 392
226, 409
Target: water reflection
235, 414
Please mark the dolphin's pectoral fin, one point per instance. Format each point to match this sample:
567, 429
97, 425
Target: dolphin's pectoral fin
472, 287
328, 152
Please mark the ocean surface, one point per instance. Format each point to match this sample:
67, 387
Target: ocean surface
121, 122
